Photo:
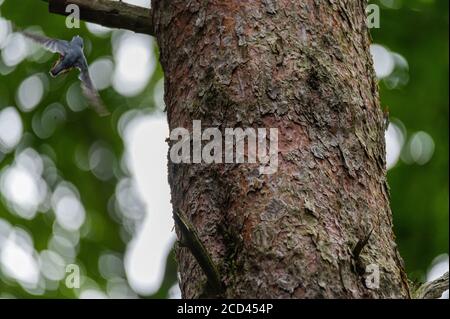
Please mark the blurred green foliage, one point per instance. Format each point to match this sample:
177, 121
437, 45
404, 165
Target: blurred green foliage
77, 133
417, 30
419, 193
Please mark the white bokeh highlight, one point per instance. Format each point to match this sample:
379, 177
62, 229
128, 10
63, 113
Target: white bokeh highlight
101, 71
146, 254
395, 138
18, 260
22, 186
15, 49
11, 128
421, 147
70, 213
383, 61
135, 62
30, 93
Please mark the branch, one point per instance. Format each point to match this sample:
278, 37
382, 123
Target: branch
433, 289
112, 14
189, 239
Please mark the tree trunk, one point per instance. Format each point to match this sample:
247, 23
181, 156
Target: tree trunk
304, 68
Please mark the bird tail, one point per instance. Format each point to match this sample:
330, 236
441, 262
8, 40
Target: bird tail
58, 68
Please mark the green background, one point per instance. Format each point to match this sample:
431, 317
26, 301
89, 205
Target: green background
417, 30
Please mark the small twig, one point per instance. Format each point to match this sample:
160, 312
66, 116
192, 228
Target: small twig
190, 239
358, 265
432, 289
113, 14
360, 245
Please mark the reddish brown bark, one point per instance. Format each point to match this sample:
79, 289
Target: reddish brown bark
303, 67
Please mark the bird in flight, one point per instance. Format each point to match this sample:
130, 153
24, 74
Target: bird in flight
71, 56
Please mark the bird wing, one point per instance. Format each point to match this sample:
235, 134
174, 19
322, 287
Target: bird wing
53, 45
89, 91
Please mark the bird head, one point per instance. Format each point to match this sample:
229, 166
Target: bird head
77, 40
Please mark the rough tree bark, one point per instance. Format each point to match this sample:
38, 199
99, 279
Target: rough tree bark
300, 233
303, 67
